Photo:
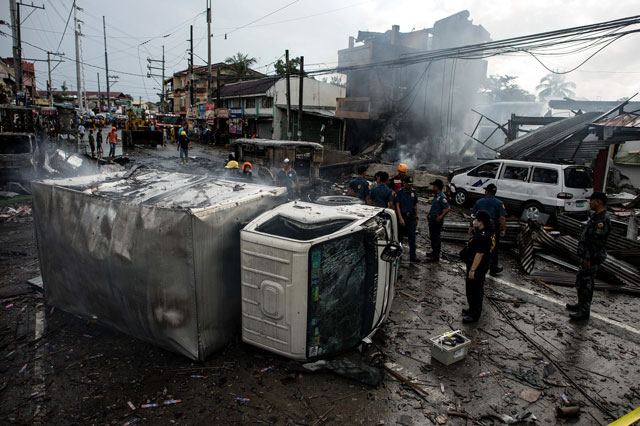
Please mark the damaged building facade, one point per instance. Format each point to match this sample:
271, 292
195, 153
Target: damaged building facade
412, 111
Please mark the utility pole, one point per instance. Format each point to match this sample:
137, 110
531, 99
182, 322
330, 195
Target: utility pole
99, 94
50, 94
106, 65
150, 74
300, 98
17, 43
76, 27
218, 87
286, 53
190, 67
209, 51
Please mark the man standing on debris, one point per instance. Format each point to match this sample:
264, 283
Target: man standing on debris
477, 256
592, 252
288, 178
407, 210
99, 142
381, 195
112, 138
359, 186
81, 131
396, 183
92, 143
498, 215
183, 145
439, 209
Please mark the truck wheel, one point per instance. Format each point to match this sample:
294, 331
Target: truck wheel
338, 200
460, 198
532, 210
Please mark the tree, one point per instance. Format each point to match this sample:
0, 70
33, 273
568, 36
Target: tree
554, 86
64, 89
281, 66
240, 64
502, 88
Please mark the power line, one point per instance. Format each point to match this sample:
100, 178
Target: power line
259, 19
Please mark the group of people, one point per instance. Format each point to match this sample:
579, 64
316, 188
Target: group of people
487, 227
95, 140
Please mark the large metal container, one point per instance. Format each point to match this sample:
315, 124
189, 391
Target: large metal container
153, 254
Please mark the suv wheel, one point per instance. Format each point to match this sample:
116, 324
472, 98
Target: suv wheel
460, 197
532, 210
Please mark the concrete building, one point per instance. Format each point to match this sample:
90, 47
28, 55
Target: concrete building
410, 103
259, 107
7, 74
177, 86
95, 100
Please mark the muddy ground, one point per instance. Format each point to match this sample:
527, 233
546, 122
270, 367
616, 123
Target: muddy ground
60, 369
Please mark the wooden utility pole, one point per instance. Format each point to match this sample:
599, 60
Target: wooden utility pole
106, 65
286, 54
209, 51
300, 105
17, 45
76, 27
191, 67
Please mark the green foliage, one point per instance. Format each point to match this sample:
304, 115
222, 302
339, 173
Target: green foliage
240, 64
554, 86
64, 89
502, 88
281, 66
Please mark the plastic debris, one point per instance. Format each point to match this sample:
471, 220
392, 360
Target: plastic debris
197, 376
441, 387
172, 401
148, 405
264, 370
24, 367
565, 399
164, 391
9, 306
243, 400
132, 421
130, 404
484, 373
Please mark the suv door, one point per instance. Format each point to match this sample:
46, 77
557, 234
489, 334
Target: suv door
512, 185
480, 177
545, 185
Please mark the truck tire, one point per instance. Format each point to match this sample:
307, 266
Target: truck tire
338, 200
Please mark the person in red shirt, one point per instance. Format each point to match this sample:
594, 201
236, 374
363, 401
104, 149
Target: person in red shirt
397, 182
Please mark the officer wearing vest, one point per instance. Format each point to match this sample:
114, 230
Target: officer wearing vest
397, 182
439, 209
592, 252
498, 215
407, 210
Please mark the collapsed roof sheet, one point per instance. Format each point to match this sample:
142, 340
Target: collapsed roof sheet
628, 119
542, 139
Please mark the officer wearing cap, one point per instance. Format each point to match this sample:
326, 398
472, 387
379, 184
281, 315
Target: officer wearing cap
359, 186
407, 211
498, 215
397, 182
592, 252
439, 209
288, 178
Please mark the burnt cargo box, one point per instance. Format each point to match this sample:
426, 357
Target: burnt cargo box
153, 254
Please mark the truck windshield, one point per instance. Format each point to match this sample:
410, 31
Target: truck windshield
577, 177
15, 144
170, 120
284, 227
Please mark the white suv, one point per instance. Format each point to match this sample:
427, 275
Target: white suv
527, 186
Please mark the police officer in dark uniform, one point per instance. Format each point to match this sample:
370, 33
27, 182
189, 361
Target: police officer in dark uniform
592, 252
407, 210
498, 215
439, 209
359, 186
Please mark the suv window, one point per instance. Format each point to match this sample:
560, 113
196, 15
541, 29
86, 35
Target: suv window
516, 173
15, 144
488, 170
543, 175
577, 177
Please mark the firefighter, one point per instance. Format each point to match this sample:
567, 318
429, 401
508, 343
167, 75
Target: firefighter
592, 252
397, 182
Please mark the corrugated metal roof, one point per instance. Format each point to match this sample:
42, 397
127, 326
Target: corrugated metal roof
576, 149
541, 140
627, 119
254, 87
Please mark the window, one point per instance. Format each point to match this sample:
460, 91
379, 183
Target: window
488, 170
266, 103
543, 175
15, 144
235, 103
250, 103
578, 177
516, 173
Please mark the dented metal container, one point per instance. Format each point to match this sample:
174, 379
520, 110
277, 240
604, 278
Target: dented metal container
153, 254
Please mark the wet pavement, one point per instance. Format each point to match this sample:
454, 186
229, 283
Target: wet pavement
524, 357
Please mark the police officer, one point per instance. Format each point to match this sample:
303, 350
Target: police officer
407, 210
477, 257
592, 252
439, 209
359, 186
498, 215
381, 195
397, 182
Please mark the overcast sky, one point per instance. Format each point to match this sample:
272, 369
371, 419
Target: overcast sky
315, 29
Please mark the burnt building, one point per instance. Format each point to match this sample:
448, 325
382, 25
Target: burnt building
410, 108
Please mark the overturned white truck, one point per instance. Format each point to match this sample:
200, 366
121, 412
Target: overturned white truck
181, 261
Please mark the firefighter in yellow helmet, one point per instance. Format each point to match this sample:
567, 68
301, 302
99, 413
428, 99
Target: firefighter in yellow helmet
183, 145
